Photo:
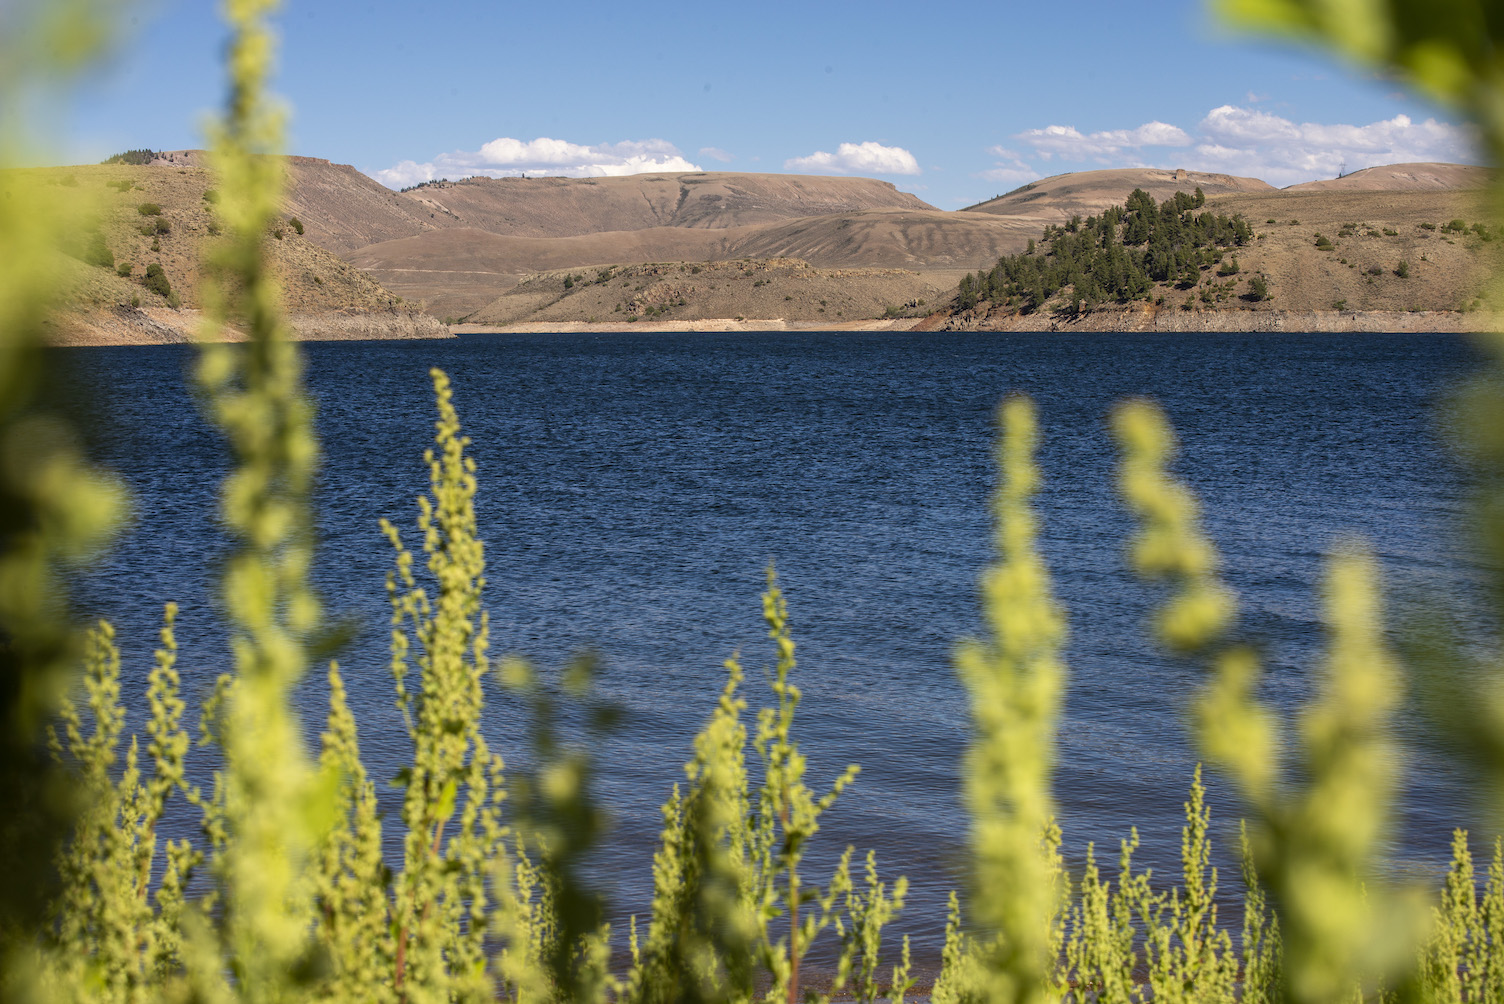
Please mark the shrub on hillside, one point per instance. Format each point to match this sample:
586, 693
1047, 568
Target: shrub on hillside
156, 280
149, 209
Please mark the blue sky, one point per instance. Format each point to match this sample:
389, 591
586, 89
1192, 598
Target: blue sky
954, 101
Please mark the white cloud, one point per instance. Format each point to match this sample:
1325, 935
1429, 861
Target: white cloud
1009, 168
1010, 176
1244, 141
1246, 124
1282, 152
1069, 143
716, 153
508, 158
857, 158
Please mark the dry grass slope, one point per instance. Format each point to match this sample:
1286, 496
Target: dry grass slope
780, 289
1058, 198
458, 271
491, 250
569, 207
1370, 231
1403, 178
164, 215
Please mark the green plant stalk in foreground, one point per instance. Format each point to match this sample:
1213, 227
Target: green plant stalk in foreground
714, 912
1016, 680
1449, 50
272, 806
785, 817
1316, 841
455, 781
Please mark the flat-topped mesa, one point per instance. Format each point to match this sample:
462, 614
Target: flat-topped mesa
570, 207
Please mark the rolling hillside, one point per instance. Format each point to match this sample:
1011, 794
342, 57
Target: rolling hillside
458, 270
501, 250
1058, 198
1403, 178
136, 219
1310, 252
569, 207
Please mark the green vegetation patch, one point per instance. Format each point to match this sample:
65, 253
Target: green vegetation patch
136, 158
1118, 256
156, 280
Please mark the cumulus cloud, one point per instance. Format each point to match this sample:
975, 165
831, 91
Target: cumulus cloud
1282, 152
857, 158
1069, 143
716, 153
1244, 141
1008, 169
509, 158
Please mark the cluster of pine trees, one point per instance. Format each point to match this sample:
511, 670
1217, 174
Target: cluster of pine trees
135, 158
1118, 256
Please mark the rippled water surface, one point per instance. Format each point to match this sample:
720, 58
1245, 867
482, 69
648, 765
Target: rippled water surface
633, 489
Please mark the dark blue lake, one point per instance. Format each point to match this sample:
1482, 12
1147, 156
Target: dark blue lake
634, 488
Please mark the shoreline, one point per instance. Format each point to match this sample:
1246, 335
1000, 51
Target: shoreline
1126, 321
167, 326
1160, 319
712, 324
163, 326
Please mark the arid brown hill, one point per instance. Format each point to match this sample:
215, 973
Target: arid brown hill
473, 248
780, 289
342, 210
1313, 252
1051, 200
133, 268
458, 270
919, 240
1403, 178
569, 207
137, 217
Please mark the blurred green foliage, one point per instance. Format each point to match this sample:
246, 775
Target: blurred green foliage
491, 899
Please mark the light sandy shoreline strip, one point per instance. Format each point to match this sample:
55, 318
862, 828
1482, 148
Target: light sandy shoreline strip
708, 324
1129, 320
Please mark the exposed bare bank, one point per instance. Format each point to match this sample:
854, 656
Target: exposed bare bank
123, 325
